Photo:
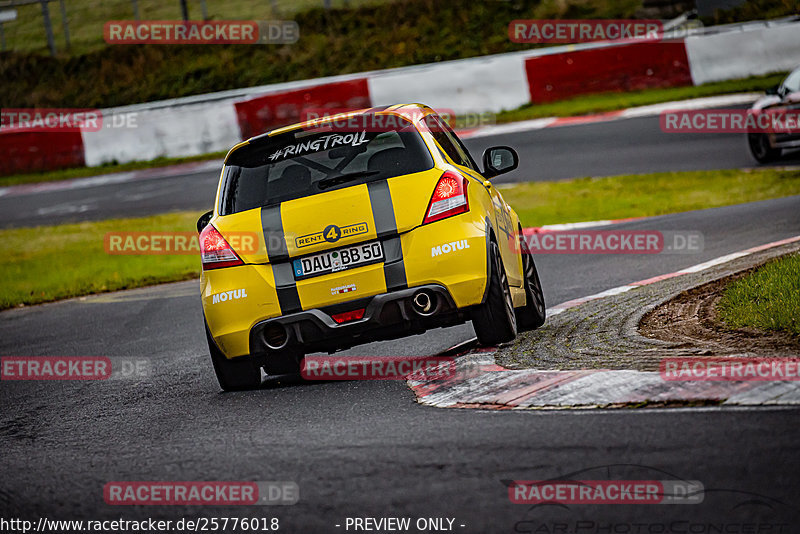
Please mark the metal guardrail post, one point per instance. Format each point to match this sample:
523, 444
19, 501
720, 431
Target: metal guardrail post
48, 27
64, 23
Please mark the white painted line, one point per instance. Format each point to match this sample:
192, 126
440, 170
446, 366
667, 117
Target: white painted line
693, 269
711, 263
575, 225
115, 178
640, 111
512, 127
695, 103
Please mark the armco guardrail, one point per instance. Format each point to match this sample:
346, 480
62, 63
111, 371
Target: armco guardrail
214, 122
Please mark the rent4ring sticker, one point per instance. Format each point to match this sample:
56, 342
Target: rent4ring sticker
331, 234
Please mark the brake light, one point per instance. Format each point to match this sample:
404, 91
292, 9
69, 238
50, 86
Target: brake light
215, 252
449, 198
345, 317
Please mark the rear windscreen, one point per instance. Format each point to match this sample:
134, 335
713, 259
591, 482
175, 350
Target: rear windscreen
306, 162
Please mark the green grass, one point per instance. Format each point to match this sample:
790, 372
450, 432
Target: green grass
601, 102
371, 35
54, 262
767, 299
589, 199
86, 18
83, 172
354, 36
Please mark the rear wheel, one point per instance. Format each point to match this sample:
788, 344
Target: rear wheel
533, 314
494, 320
236, 374
760, 148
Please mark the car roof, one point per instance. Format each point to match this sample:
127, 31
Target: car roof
412, 112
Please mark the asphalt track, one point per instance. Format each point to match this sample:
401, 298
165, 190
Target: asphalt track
366, 448
361, 449
635, 145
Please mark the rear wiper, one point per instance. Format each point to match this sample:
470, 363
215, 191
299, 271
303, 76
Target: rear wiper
325, 183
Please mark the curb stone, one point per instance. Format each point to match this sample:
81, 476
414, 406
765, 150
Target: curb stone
591, 355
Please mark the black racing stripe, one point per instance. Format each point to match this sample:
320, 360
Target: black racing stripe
288, 297
382, 210
278, 256
272, 226
394, 269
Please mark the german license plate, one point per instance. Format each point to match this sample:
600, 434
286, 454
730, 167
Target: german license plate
338, 260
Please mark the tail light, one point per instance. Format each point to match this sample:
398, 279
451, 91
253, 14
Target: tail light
449, 198
215, 251
345, 317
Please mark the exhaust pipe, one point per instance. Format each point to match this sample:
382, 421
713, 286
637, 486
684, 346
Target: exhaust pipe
276, 337
424, 303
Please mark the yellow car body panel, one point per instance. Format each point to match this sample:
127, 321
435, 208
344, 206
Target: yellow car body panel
451, 252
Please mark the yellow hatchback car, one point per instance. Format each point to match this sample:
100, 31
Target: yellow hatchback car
353, 228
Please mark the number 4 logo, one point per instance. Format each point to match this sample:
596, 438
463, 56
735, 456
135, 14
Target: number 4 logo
332, 233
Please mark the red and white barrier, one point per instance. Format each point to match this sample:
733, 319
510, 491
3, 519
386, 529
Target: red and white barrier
24, 152
262, 113
629, 67
739, 54
214, 122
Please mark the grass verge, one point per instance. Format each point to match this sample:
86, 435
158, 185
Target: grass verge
601, 102
589, 199
55, 262
767, 299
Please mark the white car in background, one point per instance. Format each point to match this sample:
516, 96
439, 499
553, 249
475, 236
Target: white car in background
785, 98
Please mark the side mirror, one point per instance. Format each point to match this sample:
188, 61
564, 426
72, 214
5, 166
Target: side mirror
203, 221
499, 160
775, 90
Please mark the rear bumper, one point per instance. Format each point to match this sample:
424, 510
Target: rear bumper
387, 316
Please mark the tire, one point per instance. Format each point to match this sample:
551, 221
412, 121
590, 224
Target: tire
233, 375
495, 321
761, 149
533, 314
